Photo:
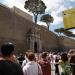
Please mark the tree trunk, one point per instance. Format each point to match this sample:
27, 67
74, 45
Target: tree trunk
48, 26
35, 18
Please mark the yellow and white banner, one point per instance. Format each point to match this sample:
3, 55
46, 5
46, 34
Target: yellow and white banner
69, 18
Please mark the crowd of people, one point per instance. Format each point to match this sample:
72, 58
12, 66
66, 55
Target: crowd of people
44, 63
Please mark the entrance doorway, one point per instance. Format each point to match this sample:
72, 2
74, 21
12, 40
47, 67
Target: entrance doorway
35, 47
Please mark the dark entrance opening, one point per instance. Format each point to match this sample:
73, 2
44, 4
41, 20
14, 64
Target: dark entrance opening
35, 47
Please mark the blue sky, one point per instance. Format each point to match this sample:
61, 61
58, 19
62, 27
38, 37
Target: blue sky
54, 7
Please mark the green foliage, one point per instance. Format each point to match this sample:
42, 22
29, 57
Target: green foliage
36, 7
65, 32
59, 30
48, 19
69, 33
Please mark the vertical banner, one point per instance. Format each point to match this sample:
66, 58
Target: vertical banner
69, 18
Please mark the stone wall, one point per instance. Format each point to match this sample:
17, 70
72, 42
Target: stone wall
14, 28
69, 43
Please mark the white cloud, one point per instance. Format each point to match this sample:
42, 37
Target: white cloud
42, 23
56, 18
73, 31
9, 3
20, 4
59, 2
72, 0
62, 8
53, 6
49, 3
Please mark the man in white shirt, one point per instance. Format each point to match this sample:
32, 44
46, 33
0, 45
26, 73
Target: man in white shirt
32, 67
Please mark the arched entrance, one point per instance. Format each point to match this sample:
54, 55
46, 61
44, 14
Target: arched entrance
35, 47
